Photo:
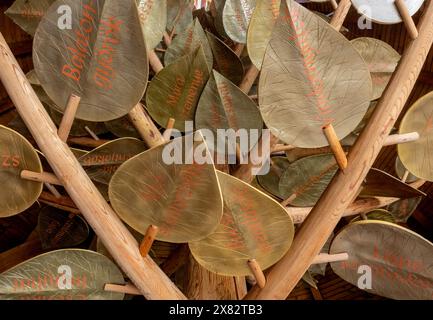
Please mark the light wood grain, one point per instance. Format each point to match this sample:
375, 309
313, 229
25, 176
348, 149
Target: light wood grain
407, 18
336, 148
340, 14
144, 272
322, 220
148, 240
68, 117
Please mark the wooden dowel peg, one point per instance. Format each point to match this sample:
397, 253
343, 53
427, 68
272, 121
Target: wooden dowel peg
148, 240
257, 273
289, 200
405, 176
87, 142
326, 258
334, 4
128, 288
340, 14
239, 48
44, 177
282, 148
394, 139
92, 134
169, 129
407, 18
334, 143
53, 190
68, 117
154, 61
167, 39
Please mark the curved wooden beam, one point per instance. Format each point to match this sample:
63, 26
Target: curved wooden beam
342, 190
144, 272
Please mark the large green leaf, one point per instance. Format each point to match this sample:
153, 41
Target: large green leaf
17, 154
236, 18
175, 91
262, 24
226, 61
102, 58
417, 156
122, 128
70, 274
311, 76
153, 18
254, 226
224, 106
183, 198
59, 229
381, 59
28, 13
187, 42
399, 259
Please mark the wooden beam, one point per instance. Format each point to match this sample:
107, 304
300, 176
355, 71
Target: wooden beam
144, 272
322, 220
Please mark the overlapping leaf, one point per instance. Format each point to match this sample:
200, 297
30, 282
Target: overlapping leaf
153, 18
167, 188
17, 154
70, 274
28, 13
270, 182
400, 170
417, 156
102, 58
226, 61
236, 18
224, 106
400, 260
187, 42
179, 15
175, 91
254, 226
381, 59
260, 30
311, 76
59, 229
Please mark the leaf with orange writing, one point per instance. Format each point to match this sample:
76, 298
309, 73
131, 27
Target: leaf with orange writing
236, 18
175, 91
254, 226
226, 61
381, 59
102, 58
399, 259
306, 179
224, 106
167, 187
260, 30
60, 229
101, 163
187, 42
28, 13
311, 76
417, 156
153, 18
16, 155
69, 274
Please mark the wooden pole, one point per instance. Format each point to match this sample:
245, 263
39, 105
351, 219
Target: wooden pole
334, 4
327, 258
340, 14
148, 240
249, 79
407, 19
145, 127
144, 272
322, 220
334, 143
257, 273
44, 177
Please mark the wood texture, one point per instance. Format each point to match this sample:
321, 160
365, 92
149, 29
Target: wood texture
340, 14
407, 18
146, 275
68, 117
317, 228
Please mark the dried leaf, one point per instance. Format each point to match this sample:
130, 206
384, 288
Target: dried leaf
17, 154
254, 226
236, 18
400, 260
153, 18
311, 76
102, 58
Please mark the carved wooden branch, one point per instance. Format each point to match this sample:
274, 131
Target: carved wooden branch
146, 275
